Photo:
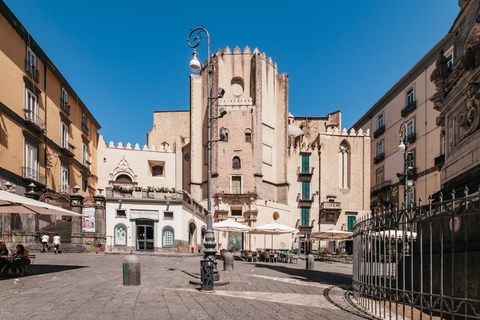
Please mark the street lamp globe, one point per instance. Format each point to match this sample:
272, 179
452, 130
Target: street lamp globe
195, 65
401, 146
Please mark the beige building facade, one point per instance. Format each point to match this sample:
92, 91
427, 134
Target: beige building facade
145, 207
257, 173
48, 137
407, 105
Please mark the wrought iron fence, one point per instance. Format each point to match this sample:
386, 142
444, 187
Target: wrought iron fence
421, 262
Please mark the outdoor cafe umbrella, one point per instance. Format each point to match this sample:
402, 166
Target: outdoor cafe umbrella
14, 203
273, 228
331, 235
230, 225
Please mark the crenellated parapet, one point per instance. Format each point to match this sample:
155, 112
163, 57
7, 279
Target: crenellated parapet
300, 143
128, 146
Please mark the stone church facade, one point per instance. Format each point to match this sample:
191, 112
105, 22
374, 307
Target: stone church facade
272, 166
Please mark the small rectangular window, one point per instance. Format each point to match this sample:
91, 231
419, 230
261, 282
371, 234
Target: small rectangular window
168, 215
64, 135
64, 101
410, 96
380, 150
121, 213
236, 212
85, 123
85, 154
248, 137
31, 64
64, 185
380, 176
84, 185
380, 121
330, 216
305, 218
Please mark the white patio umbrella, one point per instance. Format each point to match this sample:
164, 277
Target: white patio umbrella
273, 228
230, 225
14, 203
331, 235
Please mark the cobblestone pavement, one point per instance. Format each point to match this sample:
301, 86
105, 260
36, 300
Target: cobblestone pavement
90, 286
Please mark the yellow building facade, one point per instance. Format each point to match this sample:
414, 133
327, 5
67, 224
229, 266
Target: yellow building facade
48, 137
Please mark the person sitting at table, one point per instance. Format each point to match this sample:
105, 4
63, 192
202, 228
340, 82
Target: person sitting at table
3, 252
19, 264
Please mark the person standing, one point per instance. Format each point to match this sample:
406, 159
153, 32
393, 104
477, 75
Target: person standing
56, 242
45, 239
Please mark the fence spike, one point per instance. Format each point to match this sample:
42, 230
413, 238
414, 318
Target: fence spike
453, 194
430, 199
465, 190
441, 196
420, 201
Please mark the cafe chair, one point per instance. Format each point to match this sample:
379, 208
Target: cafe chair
28, 266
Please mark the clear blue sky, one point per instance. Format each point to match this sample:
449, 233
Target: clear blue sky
126, 59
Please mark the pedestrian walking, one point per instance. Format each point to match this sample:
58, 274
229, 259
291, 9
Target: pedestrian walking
56, 242
45, 239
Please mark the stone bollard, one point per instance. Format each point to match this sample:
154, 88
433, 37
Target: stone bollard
310, 260
131, 270
228, 261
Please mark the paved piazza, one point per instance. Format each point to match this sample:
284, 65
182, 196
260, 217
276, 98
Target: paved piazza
90, 286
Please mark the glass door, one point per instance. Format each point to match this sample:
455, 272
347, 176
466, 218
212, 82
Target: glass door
145, 237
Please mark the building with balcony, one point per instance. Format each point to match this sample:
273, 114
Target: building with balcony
407, 101
48, 137
272, 166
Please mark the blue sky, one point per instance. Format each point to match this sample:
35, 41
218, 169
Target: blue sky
126, 59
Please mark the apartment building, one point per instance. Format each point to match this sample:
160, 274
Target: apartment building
406, 113
48, 137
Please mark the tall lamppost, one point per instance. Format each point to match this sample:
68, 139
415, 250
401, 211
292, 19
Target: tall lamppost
208, 265
407, 166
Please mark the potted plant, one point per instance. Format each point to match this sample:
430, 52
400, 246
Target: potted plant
99, 248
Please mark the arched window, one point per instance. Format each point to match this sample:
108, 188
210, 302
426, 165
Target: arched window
168, 237
236, 164
248, 135
123, 178
344, 165
120, 235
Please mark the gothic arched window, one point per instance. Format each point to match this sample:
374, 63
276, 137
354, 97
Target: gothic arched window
344, 165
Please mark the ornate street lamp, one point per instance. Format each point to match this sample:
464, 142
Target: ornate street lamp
208, 265
408, 166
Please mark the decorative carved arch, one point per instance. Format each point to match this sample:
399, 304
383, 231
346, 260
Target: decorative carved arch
123, 168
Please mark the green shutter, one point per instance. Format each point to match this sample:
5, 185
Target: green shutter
305, 190
351, 222
305, 212
305, 163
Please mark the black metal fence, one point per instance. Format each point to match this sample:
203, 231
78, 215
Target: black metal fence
420, 262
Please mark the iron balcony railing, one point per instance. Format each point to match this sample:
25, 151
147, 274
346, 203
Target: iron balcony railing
379, 131
379, 158
408, 108
32, 70
65, 106
34, 175
305, 170
33, 119
420, 262
380, 186
305, 197
67, 148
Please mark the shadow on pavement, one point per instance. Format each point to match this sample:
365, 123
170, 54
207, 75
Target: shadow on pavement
332, 278
44, 269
